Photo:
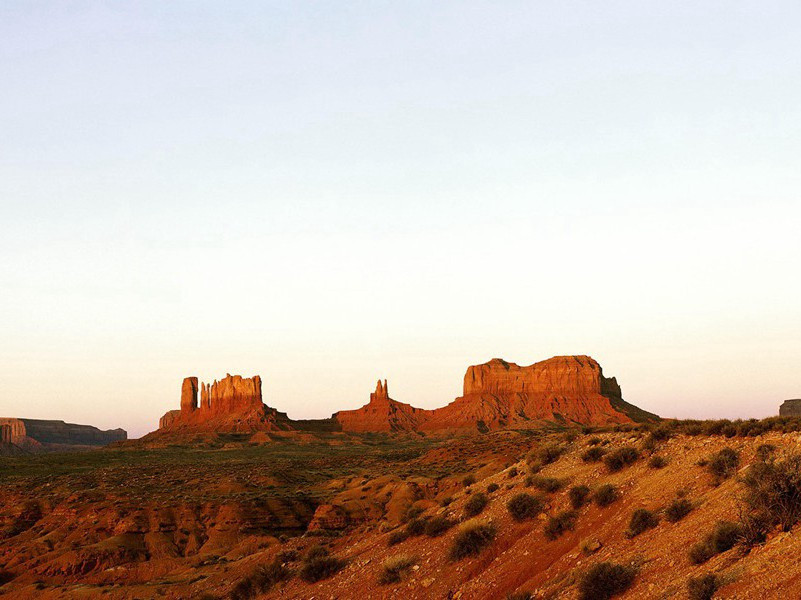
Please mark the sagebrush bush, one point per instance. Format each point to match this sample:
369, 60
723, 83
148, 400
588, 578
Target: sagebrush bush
547, 484
393, 568
493, 487
475, 504
594, 454
397, 536
468, 480
678, 509
641, 520
438, 525
416, 526
606, 580
703, 587
549, 453
724, 463
722, 538
605, 495
524, 506
319, 565
560, 523
512, 472
620, 458
471, 538
657, 461
261, 580
773, 492
579, 495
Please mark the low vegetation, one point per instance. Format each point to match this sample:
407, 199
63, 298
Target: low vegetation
438, 525
594, 454
773, 495
525, 506
547, 484
641, 520
620, 458
261, 581
579, 496
657, 461
606, 580
319, 565
703, 587
678, 509
605, 495
475, 504
723, 464
560, 523
394, 568
722, 538
471, 538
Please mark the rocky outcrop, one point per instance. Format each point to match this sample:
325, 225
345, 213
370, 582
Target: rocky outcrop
43, 434
790, 408
499, 394
233, 404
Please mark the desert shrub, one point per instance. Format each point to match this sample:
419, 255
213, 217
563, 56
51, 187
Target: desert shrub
438, 525
493, 487
397, 536
261, 580
765, 452
594, 441
579, 495
416, 527
620, 458
412, 513
594, 454
657, 462
512, 472
471, 538
393, 569
560, 523
678, 509
320, 565
661, 433
722, 538
703, 587
605, 495
549, 453
519, 596
316, 551
547, 484
724, 463
524, 506
475, 504
605, 580
468, 480
773, 493
446, 501
286, 556
642, 520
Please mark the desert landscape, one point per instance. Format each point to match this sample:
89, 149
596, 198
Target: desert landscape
538, 482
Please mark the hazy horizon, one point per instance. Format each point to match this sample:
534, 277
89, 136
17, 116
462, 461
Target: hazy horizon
328, 195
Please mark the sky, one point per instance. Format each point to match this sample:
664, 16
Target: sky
325, 193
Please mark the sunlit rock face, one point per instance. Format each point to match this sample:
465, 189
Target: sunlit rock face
790, 408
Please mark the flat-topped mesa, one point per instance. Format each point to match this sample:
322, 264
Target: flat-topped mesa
46, 434
233, 404
557, 375
790, 408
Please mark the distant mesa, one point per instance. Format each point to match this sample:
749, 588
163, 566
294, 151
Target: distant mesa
43, 435
790, 408
496, 395
231, 405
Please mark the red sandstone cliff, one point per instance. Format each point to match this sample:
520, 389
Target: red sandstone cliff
233, 404
499, 394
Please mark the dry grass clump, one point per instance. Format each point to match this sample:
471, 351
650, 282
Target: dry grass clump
525, 506
471, 538
560, 523
579, 496
723, 464
620, 458
722, 538
657, 461
438, 525
261, 580
606, 580
641, 520
493, 487
394, 568
678, 509
397, 536
319, 565
546, 484
605, 495
477, 503
468, 480
594, 454
703, 587
549, 453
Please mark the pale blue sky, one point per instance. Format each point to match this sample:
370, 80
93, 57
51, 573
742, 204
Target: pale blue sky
327, 193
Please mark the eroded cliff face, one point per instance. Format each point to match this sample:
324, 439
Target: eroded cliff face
499, 394
45, 434
233, 404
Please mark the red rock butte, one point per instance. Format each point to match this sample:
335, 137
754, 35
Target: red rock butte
496, 395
